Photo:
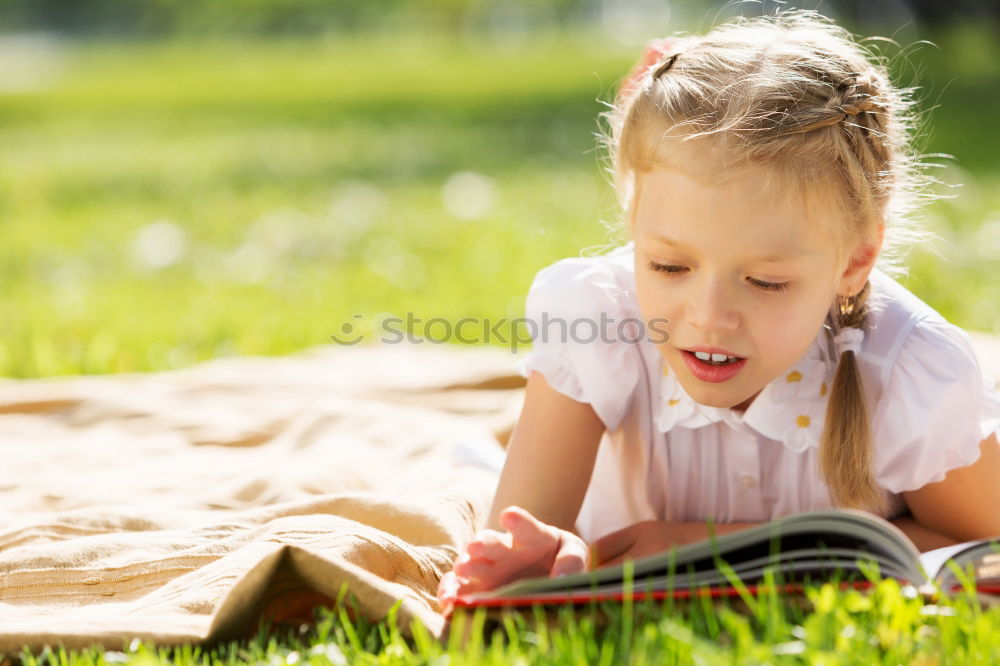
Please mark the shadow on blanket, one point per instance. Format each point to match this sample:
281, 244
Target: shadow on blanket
184, 507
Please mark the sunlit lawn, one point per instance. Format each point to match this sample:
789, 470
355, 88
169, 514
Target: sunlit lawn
161, 204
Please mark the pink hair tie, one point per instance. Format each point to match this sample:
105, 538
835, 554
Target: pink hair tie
849, 339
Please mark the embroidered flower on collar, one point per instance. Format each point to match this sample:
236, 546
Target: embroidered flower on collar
806, 377
805, 431
791, 409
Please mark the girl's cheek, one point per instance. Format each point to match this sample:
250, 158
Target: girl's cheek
653, 297
657, 314
784, 327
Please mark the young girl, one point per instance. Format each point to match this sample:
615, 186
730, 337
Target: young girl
763, 169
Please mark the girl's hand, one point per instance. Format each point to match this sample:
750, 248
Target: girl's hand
655, 50
652, 537
644, 539
529, 548
632, 543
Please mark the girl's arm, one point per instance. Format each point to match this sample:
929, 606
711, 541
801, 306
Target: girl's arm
652, 537
924, 539
966, 504
550, 457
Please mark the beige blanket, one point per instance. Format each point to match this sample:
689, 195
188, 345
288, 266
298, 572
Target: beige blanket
182, 507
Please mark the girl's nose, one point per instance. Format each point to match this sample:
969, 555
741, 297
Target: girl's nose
711, 308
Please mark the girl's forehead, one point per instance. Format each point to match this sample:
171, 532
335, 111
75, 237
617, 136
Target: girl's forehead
753, 200
674, 209
720, 161
746, 194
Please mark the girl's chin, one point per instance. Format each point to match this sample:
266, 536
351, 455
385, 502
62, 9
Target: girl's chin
721, 404
745, 405
720, 399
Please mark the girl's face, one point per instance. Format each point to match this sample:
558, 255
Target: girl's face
736, 273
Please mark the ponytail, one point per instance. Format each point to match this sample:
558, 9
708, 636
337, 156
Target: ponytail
845, 451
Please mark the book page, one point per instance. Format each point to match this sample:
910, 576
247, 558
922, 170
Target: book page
983, 555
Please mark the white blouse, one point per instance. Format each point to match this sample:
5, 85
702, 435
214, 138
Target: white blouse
664, 456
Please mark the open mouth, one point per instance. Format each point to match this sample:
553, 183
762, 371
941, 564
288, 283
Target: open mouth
714, 359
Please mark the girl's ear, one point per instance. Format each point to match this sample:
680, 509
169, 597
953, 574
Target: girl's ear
860, 263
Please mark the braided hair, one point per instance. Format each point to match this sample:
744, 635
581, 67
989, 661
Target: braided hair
845, 451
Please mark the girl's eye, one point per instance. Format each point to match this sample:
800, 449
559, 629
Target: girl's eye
664, 268
760, 284
769, 286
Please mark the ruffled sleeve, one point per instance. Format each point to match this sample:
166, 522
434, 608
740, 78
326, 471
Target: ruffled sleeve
584, 324
936, 408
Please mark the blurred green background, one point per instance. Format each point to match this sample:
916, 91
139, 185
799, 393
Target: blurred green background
180, 181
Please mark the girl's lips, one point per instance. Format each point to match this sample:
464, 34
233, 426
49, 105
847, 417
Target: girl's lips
712, 373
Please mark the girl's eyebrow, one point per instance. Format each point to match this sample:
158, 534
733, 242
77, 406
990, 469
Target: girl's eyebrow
793, 255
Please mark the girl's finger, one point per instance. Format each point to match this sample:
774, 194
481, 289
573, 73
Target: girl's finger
608, 548
485, 574
614, 561
491, 571
476, 569
453, 585
489, 544
523, 527
493, 552
471, 585
571, 558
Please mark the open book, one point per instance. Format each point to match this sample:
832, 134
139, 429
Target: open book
808, 547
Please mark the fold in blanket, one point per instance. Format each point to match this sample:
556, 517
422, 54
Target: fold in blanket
185, 506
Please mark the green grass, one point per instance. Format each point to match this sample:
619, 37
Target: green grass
887, 624
306, 179
324, 162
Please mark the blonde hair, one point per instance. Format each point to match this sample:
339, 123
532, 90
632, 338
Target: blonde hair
796, 98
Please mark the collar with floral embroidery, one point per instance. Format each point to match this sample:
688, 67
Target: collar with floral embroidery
790, 409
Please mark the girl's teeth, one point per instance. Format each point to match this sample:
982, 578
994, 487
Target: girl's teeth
717, 359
